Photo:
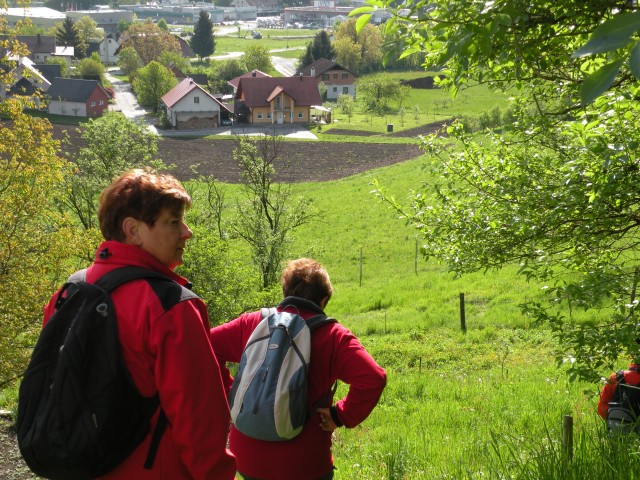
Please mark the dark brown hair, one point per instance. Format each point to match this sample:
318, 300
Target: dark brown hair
306, 278
140, 194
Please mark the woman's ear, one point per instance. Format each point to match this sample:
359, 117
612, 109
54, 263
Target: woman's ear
131, 230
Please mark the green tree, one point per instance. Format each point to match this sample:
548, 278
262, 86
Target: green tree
169, 59
162, 24
558, 196
151, 83
269, 213
203, 41
376, 91
149, 41
306, 58
123, 25
257, 57
321, 46
129, 61
59, 61
67, 35
91, 68
347, 105
348, 54
88, 29
37, 243
111, 144
368, 41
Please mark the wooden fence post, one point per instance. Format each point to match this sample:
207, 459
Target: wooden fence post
567, 437
463, 320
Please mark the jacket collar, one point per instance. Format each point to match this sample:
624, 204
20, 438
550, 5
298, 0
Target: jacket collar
300, 303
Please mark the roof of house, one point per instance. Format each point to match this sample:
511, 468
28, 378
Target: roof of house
258, 91
186, 86
321, 66
187, 51
73, 89
38, 43
261, 3
253, 73
50, 70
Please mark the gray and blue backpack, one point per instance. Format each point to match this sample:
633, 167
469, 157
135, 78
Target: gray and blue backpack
268, 398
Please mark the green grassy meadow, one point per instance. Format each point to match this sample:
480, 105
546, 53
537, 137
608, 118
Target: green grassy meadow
488, 403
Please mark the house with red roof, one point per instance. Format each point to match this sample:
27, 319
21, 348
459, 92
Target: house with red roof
77, 97
189, 106
276, 100
234, 82
338, 80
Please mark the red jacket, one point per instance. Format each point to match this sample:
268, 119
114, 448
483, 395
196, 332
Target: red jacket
631, 376
168, 352
336, 354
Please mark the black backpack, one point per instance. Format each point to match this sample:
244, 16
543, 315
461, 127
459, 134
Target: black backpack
79, 412
624, 407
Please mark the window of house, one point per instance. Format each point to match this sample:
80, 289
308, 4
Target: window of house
335, 75
93, 104
259, 115
277, 102
299, 114
325, 76
101, 102
335, 89
268, 114
345, 90
196, 99
345, 75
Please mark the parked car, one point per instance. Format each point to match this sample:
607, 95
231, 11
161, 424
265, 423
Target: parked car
226, 122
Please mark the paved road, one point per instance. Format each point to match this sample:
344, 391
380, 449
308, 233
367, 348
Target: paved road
127, 103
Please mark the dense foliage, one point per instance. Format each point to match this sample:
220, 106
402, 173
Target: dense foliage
556, 192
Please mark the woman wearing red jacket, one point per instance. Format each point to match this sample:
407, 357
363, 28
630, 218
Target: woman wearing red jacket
336, 354
631, 377
165, 349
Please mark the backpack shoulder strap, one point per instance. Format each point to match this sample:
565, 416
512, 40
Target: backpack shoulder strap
620, 377
317, 321
265, 312
168, 291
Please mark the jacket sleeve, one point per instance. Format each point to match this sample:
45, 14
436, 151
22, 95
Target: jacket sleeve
228, 341
366, 380
605, 395
191, 391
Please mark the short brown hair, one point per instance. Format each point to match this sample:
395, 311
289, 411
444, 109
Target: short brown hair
306, 278
140, 194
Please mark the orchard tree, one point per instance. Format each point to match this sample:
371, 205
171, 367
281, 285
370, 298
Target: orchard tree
257, 57
377, 90
558, 195
151, 83
149, 41
268, 213
203, 42
347, 105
